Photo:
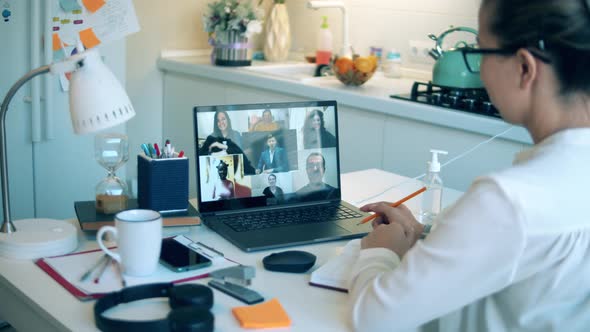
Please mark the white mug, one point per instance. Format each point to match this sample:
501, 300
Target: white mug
138, 234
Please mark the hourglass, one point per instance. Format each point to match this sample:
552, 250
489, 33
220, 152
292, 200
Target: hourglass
111, 151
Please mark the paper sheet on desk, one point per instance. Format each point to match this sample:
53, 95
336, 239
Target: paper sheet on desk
71, 267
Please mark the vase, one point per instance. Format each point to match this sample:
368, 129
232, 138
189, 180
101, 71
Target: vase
278, 34
231, 49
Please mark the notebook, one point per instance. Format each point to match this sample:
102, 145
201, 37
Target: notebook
335, 273
268, 175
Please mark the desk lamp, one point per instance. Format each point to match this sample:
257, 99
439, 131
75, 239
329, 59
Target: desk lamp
97, 101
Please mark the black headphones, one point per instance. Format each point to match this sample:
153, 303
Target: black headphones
190, 308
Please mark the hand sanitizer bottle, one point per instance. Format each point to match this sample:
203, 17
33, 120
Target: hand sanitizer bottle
432, 198
324, 50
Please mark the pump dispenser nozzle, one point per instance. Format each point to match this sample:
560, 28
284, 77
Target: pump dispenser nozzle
434, 163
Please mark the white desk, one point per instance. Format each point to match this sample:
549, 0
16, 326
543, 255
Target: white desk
30, 300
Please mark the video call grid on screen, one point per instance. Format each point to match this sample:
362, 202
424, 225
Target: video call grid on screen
234, 162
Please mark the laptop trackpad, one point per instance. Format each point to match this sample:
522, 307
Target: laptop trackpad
354, 227
297, 234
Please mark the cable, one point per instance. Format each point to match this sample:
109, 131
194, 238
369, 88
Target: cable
475, 147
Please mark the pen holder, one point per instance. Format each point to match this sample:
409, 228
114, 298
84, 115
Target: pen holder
162, 184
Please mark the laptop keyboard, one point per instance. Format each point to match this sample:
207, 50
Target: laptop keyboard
291, 216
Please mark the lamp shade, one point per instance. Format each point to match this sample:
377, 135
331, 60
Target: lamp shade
97, 99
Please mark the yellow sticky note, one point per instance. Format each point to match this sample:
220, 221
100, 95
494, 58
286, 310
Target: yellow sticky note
88, 38
264, 315
93, 5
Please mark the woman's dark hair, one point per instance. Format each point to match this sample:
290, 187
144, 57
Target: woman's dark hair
216, 131
563, 26
310, 117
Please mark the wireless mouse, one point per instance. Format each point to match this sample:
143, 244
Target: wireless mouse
294, 261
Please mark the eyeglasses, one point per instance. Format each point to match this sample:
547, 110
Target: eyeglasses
315, 165
472, 55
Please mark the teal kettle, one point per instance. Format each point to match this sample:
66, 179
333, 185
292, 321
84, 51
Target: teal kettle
450, 69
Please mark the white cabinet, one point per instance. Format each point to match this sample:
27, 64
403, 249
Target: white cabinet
368, 139
407, 147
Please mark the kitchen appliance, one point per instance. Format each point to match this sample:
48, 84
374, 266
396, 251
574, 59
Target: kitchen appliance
472, 100
450, 69
49, 166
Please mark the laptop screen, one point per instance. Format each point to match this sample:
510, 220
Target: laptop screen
259, 155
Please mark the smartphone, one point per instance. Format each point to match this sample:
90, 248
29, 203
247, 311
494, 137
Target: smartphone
179, 258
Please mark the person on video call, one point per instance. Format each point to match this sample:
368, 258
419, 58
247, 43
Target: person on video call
223, 138
273, 191
224, 188
513, 254
315, 134
267, 123
273, 159
224, 141
316, 188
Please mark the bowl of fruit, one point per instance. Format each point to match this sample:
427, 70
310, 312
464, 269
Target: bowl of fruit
355, 71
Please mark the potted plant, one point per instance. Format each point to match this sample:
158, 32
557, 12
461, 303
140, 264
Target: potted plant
230, 23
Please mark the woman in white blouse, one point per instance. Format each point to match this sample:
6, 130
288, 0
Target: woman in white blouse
513, 254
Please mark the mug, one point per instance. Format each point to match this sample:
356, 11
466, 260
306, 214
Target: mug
138, 234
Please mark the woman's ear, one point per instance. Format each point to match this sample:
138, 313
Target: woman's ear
528, 69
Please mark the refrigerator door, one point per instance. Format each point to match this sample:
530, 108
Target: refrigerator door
15, 61
65, 169
48, 176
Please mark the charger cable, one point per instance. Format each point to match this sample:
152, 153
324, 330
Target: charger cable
465, 153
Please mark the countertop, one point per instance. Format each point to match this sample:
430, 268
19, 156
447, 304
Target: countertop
374, 95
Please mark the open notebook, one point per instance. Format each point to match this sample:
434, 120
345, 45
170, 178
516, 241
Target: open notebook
67, 269
335, 273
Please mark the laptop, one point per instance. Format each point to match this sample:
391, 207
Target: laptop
268, 175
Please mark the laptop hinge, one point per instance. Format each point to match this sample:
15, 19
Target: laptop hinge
270, 208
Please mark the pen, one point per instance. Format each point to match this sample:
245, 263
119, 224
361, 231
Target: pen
145, 149
396, 204
157, 150
87, 274
119, 272
102, 269
207, 247
152, 150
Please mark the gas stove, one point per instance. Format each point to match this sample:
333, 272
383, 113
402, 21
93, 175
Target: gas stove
472, 100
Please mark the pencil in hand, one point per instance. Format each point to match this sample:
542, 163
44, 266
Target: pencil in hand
396, 204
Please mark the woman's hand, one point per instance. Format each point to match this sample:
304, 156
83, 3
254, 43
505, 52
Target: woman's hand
400, 215
390, 236
217, 145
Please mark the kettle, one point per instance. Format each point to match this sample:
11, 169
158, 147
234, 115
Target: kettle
450, 69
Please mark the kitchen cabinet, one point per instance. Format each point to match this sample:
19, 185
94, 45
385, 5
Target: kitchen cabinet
369, 138
407, 145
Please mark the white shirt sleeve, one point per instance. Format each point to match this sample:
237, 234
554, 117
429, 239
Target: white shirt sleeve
472, 253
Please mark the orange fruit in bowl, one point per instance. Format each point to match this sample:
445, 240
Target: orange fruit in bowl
364, 64
343, 65
373, 61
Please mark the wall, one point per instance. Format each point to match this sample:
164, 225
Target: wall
164, 25
177, 25
385, 23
